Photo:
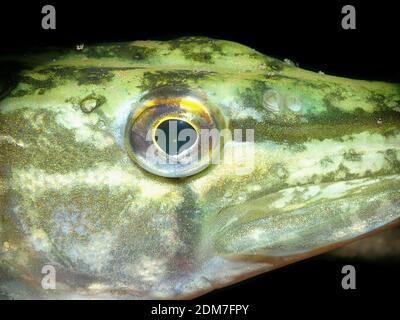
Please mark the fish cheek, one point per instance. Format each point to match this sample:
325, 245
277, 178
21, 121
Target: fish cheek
121, 232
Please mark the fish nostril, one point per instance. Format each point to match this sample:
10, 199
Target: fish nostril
174, 136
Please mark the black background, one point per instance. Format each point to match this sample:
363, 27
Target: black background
308, 33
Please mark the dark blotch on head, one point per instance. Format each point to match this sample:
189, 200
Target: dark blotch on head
122, 50
352, 155
197, 48
83, 76
156, 79
392, 158
9, 73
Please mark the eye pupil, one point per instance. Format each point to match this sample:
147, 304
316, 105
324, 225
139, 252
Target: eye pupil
179, 136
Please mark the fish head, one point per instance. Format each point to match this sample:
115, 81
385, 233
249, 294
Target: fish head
168, 169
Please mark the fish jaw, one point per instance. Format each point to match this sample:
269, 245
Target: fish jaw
303, 219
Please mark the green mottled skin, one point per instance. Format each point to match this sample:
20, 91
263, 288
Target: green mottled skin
327, 164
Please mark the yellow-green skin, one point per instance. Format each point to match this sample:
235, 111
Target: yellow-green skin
327, 164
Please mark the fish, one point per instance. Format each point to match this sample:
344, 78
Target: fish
167, 169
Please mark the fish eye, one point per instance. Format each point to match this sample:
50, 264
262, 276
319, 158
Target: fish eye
174, 132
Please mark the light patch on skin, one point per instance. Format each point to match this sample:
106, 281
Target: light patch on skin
244, 112
147, 269
7, 246
335, 190
37, 181
339, 189
226, 97
239, 156
95, 253
81, 125
10, 140
98, 287
152, 189
359, 227
40, 240
311, 191
256, 234
316, 193
34, 182
253, 188
235, 165
259, 162
36, 76
87, 128
3, 188
285, 199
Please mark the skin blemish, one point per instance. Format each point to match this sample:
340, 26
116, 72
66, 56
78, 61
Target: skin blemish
183, 78
204, 51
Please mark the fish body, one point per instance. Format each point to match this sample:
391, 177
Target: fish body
75, 193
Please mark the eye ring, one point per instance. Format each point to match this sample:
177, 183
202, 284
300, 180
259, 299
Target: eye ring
164, 106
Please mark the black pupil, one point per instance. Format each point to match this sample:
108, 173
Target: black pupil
178, 136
